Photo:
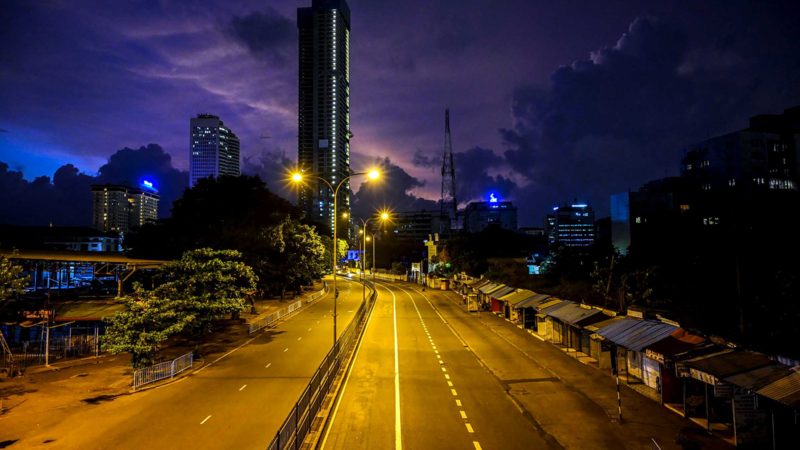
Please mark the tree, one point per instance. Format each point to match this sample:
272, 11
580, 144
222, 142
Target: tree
207, 284
301, 252
200, 287
11, 280
143, 326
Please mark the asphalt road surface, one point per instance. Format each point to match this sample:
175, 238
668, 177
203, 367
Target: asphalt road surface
415, 384
238, 402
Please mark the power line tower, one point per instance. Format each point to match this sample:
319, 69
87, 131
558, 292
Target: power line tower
448, 201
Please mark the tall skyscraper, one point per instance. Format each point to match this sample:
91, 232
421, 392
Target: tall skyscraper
214, 149
324, 106
117, 208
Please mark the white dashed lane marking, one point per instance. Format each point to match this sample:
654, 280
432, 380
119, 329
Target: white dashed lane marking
206, 419
267, 366
242, 388
469, 428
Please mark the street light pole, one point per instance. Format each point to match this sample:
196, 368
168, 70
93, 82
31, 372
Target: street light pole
298, 177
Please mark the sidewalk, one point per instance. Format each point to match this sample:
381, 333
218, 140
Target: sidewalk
588, 405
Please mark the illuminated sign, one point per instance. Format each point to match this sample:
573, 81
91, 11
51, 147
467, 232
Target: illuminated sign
492, 198
148, 184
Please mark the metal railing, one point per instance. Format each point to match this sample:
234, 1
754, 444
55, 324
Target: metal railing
271, 319
160, 371
33, 353
298, 423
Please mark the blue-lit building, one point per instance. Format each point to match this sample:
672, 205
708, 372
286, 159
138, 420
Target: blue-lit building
214, 149
571, 225
480, 215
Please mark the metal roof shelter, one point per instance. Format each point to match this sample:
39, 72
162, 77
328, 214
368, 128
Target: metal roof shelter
491, 290
636, 334
488, 287
574, 313
603, 324
501, 292
785, 390
532, 301
716, 366
547, 304
760, 377
517, 296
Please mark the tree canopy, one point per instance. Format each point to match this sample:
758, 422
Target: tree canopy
203, 285
11, 280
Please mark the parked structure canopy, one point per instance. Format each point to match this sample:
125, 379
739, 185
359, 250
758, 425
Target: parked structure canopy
636, 334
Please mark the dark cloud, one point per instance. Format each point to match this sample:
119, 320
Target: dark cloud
266, 34
622, 117
66, 200
475, 178
423, 159
272, 167
394, 190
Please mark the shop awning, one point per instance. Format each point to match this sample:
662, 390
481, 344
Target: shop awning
548, 311
517, 296
547, 304
532, 301
717, 366
758, 378
678, 342
488, 287
785, 390
636, 334
502, 292
574, 313
600, 325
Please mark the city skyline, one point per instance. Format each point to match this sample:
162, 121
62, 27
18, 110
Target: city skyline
671, 58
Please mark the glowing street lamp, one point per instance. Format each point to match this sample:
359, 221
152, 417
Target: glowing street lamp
298, 177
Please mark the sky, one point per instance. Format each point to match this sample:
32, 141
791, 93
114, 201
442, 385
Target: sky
550, 102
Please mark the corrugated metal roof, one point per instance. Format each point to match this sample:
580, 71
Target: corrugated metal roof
758, 378
573, 313
486, 288
636, 334
517, 296
725, 364
785, 390
603, 324
501, 292
547, 303
548, 310
533, 300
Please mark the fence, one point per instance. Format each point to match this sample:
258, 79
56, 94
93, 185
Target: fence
297, 424
280, 314
160, 371
33, 353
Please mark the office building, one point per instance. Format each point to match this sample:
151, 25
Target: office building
324, 106
214, 149
480, 215
417, 225
759, 158
119, 209
571, 225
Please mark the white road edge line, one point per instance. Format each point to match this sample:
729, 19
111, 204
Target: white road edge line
206, 419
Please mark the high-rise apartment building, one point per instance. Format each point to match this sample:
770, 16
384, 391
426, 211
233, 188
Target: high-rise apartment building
324, 106
117, 208
214, 149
